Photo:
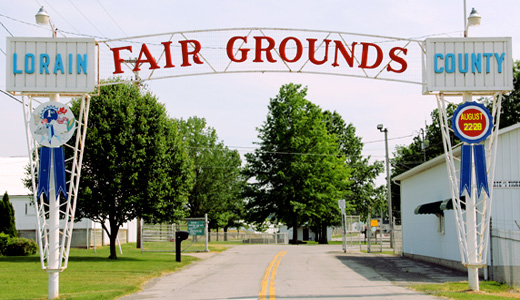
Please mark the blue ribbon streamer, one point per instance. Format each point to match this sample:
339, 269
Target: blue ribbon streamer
44, 171
467, 153
480, 169
465, 170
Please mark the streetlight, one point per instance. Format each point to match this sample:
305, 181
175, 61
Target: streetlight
53, 256
388, 191
42, 18
472, 20
471, 218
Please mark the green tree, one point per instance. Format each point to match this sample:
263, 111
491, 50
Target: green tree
218, 180
362, 192
134, 164
297, 175
510, 110
425, 145
7, 221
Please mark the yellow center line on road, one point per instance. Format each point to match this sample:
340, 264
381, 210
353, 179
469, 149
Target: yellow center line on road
271, 269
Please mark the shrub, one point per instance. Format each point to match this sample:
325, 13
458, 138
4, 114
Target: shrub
7, 223
4, 239
20, 247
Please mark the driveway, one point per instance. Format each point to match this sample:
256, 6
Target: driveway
272, 272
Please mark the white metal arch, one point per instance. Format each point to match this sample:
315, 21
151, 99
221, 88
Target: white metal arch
292, 50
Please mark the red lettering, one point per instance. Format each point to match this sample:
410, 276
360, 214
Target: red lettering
364, 56
268, 49
184, 48
149, 59
312, 42
397, 59
117, 58
349, 58
243, 52
168, 54
299, 49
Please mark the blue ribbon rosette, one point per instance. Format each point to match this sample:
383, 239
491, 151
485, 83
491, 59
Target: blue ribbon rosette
472, 123
53, 124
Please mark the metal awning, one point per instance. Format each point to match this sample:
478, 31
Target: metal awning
438, 207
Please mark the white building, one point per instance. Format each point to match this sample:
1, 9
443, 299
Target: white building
428, 221
86, 232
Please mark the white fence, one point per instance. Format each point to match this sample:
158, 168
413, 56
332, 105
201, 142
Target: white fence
248, 237
161, 237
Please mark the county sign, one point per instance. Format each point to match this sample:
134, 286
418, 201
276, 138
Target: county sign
468, 65
51, 65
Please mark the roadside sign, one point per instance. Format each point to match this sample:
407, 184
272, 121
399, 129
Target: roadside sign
373, 223
341, 204
196, 227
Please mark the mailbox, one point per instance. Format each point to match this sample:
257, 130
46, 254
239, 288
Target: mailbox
179, 237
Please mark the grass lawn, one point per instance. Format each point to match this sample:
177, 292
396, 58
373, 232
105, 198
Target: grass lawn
459, 290
89, 275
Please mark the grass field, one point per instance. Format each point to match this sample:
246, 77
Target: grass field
489, 290
89, 275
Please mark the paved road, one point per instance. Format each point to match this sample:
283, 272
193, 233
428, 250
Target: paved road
294, 272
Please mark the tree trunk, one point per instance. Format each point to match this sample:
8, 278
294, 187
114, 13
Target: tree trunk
323, 235
114, 229
138, 239
295, 232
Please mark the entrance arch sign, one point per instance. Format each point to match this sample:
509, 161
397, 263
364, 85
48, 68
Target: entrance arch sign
455, 66
241, 50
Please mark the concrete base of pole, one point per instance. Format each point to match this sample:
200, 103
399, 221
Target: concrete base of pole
473, 279
54, 284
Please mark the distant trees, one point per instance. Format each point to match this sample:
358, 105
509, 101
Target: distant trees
218, 181
362, 191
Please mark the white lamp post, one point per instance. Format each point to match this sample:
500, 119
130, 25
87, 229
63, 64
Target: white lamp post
53, 265
472, 20
471, 215
388, 191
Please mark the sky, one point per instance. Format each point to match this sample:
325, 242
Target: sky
236, 104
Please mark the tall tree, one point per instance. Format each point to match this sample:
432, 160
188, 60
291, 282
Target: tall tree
218, 180
297, 175
362, 191
134, 164
510, 112
7, 220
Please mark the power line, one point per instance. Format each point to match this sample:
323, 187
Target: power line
390, 139
57, 11
11, 96
6, 29
88, 20
108, 14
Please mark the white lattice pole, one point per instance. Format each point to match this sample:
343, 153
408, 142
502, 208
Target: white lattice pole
472, 216
54, 242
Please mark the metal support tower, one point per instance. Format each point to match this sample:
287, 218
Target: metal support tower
472, 215
55, 219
